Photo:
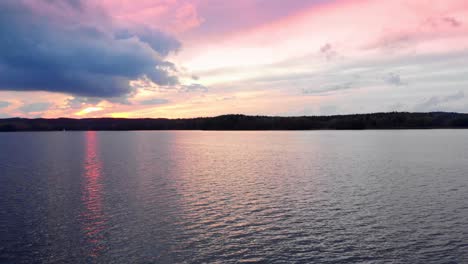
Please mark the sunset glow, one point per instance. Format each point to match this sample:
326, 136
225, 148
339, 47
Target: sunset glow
188, 58
88, 110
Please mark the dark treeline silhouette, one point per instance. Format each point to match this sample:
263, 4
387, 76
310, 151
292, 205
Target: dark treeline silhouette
394, 120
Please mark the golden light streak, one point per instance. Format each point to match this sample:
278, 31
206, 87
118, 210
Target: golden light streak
88, 110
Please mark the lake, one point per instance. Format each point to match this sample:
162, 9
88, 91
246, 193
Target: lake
234, 197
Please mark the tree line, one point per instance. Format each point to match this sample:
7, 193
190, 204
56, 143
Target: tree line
393, 120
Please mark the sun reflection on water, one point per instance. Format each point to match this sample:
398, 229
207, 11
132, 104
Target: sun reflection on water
93, 217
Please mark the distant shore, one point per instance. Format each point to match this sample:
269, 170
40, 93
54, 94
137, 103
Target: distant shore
392, 120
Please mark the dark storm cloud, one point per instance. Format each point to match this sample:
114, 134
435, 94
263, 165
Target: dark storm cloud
37, 53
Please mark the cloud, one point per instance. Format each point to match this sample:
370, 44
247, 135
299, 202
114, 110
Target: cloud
79, 102
4, 104
194, 87
329, 88
459, 95
170, 15
328, 51
157, 40
72, 3
440, 22
394, 79
420, 31
154, 101
84, 57
436, 102
452, 21
35, 107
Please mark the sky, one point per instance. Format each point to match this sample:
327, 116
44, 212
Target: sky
192, 58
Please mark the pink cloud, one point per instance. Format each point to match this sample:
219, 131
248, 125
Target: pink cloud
353, 27
174, 16
246, 35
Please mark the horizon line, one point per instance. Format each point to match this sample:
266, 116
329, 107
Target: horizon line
232, 114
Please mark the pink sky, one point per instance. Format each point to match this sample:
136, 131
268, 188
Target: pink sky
272, 57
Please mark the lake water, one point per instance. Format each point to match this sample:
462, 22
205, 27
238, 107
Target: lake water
234, 197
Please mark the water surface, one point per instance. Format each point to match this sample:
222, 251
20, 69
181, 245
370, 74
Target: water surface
230, 197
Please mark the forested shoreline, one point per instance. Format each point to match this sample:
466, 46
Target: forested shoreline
393, 120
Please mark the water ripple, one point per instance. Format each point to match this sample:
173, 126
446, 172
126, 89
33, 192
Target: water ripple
234, 197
